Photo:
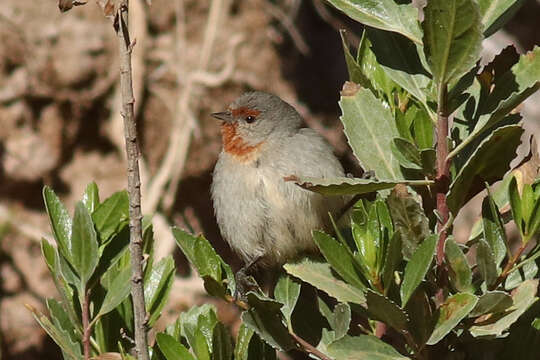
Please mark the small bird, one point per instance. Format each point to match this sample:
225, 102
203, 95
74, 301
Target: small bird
266, 219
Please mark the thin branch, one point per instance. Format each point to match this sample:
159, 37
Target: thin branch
509, 267
443, 171
134, 182
288, 23
308, 348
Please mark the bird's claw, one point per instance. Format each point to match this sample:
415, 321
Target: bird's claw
244, 283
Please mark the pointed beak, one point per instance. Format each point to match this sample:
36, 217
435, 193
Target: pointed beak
225, 116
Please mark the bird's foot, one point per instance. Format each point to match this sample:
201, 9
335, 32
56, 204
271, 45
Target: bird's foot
244, 283
370, 175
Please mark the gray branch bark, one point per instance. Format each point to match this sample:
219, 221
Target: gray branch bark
134, 182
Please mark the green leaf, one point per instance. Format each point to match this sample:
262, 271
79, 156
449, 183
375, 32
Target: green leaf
242, 342
406, 153
249, 346
221, 343
533, 225
452, 38
527, 270
375, 77
486, 262
515, 204
370, 127
495, 13
157, 287
488, 163
83, 247
60, 220
52, 258
119, 288
417, 268
62, 321
523, 297
399, 58
339, 257
61, 338
111, 215
286, 292
207, 262
409, 219
460, 274
423, 131
49, 254
172, 348
265, 318
494, 232
385, 310
341, 320
384, 15
451, 312
492, 302
363, 347
91, 197
350, 186
320, 275
197, 327
509, 90
367, 243
393, 258
356, 73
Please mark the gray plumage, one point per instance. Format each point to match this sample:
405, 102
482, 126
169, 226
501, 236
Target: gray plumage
258, 212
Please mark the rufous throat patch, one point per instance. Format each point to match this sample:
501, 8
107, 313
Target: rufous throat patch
234, 144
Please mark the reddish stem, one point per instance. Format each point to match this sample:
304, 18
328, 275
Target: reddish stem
86, 325
508, 267
443, 172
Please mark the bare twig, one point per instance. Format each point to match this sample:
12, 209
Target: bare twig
184, 124
134, 182
308, 348
287, 22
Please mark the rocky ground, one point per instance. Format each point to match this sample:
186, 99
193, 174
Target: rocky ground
60, 121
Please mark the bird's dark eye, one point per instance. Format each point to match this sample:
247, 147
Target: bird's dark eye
250, 119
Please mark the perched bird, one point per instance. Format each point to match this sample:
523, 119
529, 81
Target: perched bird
266, 219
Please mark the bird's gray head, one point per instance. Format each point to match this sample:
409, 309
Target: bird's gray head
256, 117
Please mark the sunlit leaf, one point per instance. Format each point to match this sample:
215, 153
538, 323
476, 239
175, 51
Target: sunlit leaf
286, 292
363, 347
319, 274
83, 246
460, 274
451, 312
370, 128
383, 14
452, 37
172, 349
60, 220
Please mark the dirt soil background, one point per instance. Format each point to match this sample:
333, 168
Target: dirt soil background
60, 122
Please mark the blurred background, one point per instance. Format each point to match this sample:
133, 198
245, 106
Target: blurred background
60, 120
